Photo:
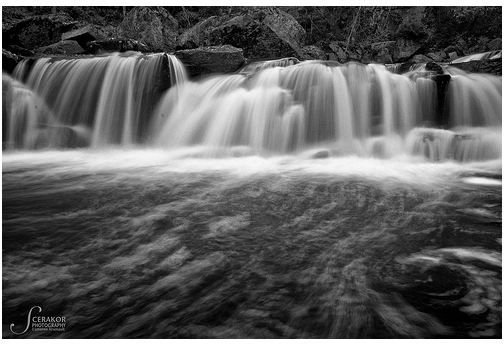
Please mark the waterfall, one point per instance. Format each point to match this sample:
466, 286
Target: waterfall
271, 107
110, 98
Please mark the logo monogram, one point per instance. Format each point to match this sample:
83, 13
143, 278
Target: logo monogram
28, 321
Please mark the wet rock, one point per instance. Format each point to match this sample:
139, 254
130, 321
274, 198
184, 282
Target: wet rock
82, 36
16, 49
115, 44
38, 31
452, 56
68, 47
322, 154
405, 49
495, 44
214, 59
154, 26
9, 61
312, 52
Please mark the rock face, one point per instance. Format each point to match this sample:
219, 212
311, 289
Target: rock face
83, 36
67, 47
404, 49
493, 66
9, 61
338, 51
115, 45
38, 31
214, 59
153, 26
382, 51
262, 33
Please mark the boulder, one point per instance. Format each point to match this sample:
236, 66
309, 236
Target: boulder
16, 49
115, 45
339, 51
153, 26
197, 35
9, 61
492, 66
262, 33
495, 44
83, 36
452, 56
213, 59
404, 49
38, 31
312, 52
67, 47
419, 58
381, 52
438, 56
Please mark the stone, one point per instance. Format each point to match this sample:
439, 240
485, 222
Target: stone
262, 33
196, 36
337, 48
438, 56
82, 36
495, 44
9, 61
452, 55
381, 52
491, 66
115, 45
153, 26
213, 59
312, 52
405, 49
68, 47
38, 31
419, 58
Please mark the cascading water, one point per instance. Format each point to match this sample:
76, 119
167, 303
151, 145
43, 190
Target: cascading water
87, 102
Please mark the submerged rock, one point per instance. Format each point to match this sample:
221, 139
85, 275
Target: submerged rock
154, 26
214, 59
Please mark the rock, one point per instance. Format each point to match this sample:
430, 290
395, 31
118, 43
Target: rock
452, 56
83, 35
339, 51
453, 48
115, 44
9, 61
312, 52
381, 52
68, 47
153, 26
495, 44
262, 33
322, 154
491, 66
196, 36
213, 59
438, 56
434, 67
420, 59
38, 31
405, 49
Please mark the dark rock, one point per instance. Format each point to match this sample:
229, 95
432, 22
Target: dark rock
116, 44
405, 49
381, 52
153, 26
420, 59
434, 67
492, 66
452, 48
495, 44
312, 52
83, 35
9, 61
438, 56
68, 47
339, 51
442, 81
197, 35
213, 59
262, 33
38, 31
